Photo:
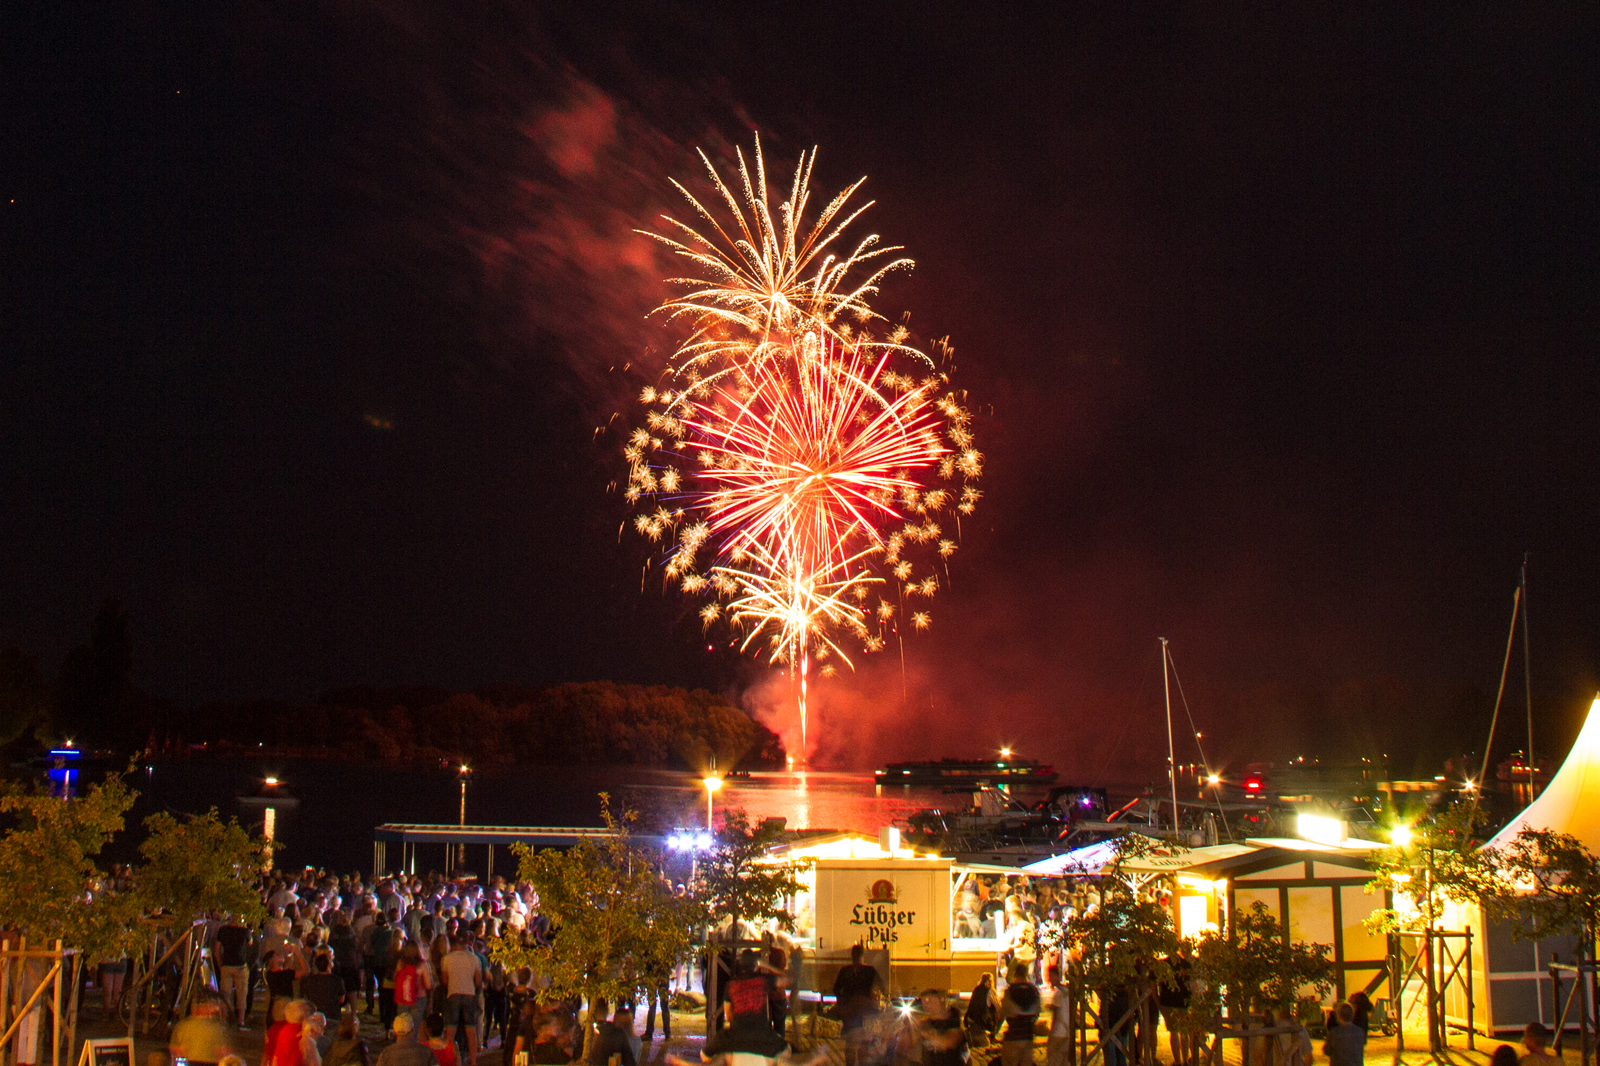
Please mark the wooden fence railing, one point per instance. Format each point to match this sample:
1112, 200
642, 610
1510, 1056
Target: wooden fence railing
38, 998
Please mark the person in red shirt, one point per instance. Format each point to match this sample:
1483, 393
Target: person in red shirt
282, 1045
749, 1024
444, 1051
411, 986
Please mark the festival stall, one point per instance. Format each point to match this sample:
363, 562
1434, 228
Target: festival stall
1318, 887
898, 902
1511, 976
926, 920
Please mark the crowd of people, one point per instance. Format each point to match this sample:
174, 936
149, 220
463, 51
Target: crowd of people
412, 954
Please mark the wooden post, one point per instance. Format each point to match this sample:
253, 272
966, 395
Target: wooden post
5, 991
14, 1012
1472, 1018
55, 1009
1431, 981
1555, 1002
1594, 979
72, 1003
1583, 1007
1396, 964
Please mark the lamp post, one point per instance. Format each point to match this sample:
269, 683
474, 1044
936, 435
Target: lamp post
267, 803
712, 784
463, 773
269, 821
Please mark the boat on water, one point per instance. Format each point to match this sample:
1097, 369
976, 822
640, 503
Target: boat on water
966, 774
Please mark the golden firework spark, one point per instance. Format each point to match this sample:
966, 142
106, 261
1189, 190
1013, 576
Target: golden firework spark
767, 275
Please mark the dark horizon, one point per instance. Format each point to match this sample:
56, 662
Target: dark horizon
1280, 330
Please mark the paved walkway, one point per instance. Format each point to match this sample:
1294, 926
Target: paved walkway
689, 1035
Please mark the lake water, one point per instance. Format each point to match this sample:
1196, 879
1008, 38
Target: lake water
341, 802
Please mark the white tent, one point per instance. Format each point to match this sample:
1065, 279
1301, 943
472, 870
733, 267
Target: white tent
1571, 802
1514, 973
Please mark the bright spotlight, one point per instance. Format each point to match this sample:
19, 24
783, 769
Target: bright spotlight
703, 841
1213, 779
1401, 835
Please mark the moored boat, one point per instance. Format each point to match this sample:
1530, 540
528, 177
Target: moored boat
966, 773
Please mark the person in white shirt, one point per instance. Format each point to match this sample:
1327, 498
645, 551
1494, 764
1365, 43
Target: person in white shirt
462, 974
284, 898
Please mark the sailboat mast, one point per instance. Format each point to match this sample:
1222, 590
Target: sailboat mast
1527, 671
1172, 760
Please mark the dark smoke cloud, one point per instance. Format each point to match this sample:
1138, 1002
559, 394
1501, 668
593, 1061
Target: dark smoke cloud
534, 180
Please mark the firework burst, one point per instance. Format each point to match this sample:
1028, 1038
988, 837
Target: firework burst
800, 465
766, 274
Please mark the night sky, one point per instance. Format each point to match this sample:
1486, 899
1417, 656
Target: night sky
1280, 325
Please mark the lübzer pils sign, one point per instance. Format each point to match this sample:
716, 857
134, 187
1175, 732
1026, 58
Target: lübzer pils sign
879, 915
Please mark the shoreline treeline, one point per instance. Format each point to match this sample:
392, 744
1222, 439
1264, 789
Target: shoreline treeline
591, 723
94, 703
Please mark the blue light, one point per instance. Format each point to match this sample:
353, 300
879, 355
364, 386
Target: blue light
703, 841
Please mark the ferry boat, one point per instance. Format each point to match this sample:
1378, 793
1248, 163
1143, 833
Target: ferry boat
966, 773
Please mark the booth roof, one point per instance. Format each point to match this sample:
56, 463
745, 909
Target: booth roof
1093, 858
1568, 803
1164, 858
846, 846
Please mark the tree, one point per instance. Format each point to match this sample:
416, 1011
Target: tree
199, 864
607, 902
1126, 940
1431, 863
738, 880
666, 933
47, 872
1544, 884
1259, 965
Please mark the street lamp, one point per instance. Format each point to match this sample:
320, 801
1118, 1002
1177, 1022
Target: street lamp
712, 784
464, 772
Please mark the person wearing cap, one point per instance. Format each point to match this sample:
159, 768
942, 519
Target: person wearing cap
405, 1051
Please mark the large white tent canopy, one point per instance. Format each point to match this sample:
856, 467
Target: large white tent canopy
1571, 802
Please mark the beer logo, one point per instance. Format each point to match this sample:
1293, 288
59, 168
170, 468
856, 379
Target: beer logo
880, 916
